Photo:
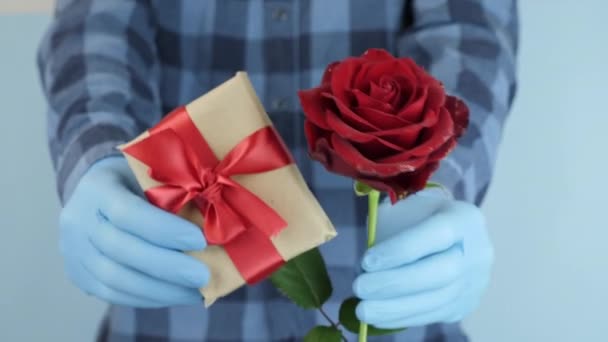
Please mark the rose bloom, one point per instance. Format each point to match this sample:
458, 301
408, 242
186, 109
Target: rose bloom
383, 121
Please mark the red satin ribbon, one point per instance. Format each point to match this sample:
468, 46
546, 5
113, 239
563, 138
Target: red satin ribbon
179, 157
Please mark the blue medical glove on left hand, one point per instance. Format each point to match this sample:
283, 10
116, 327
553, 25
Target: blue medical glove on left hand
123, 250
431, 263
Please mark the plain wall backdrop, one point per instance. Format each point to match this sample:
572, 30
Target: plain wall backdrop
546, 207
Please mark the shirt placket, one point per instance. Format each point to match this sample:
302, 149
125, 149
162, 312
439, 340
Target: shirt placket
282, 73
281, 24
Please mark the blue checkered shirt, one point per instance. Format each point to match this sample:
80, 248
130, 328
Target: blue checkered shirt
111, 68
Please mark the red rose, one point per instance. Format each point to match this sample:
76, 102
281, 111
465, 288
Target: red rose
383, 121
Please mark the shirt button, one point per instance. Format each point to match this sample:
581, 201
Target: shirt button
279, 104
279, 14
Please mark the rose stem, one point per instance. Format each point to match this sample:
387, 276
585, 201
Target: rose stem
372, 212
333, 324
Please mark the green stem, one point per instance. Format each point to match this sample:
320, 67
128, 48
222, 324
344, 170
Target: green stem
333, 324
372, 202
372, 212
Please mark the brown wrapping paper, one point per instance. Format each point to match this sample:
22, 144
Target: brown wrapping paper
225, 116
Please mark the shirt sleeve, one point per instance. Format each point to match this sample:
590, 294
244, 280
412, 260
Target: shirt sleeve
470, 45
99, 72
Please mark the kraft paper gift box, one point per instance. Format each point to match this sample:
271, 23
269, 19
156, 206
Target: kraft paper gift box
224, 118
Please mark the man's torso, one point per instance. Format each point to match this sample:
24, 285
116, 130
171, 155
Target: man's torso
284, 46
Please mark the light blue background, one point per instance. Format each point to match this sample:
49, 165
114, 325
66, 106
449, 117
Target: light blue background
546, 208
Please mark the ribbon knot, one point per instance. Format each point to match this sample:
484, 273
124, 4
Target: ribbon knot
179, 157
212, 191
207, 177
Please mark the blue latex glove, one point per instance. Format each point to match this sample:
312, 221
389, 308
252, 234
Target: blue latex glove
431, 263
125, 251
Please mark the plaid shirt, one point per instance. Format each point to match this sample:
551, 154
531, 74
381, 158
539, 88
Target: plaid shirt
111, 68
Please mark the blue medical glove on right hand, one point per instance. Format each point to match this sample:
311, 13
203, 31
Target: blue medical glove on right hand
125, 251
432, 262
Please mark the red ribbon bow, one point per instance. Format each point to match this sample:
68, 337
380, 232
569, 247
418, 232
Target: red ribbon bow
179, 157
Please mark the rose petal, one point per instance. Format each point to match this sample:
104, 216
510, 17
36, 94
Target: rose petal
408, 69
342, 78
418, 180
435, 97
362, 81
407, 63
339, 166
379, 93
403, 183
412, 111
438, 135
422, 76
384, 185
351, 117
415, 181
313, 134
367, 167
460, 114
429, 93
380, 119
387, 90
389, 67
407, 89
349, 133
374, 148
322, 151
312, 104
443, 151
406, 136
393, 93
364, 100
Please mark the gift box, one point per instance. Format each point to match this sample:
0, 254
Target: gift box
219, 163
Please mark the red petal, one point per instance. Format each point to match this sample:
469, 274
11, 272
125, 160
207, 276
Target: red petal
428, 88
384, 185
367, 167
377, 92
407, 68
443, 151
362, 81
351, 117
422, 76
404, 183
460, 114
313, 133
407, 135
332, 161
438, 135
409, 64
349, 133
312, 103
364, 100
390, 67
413, 110
435, 97
386, 91
416, 181
407, 90
381, 119
342, 78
